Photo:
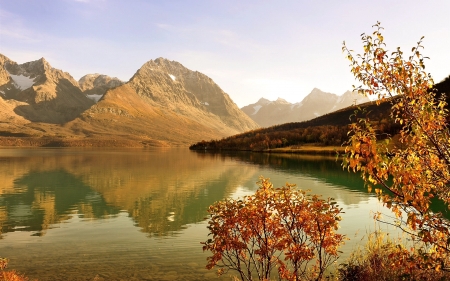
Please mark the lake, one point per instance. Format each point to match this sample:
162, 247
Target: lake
135, 214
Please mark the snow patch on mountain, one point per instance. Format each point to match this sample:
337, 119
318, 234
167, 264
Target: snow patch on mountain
22, 82
172, 76
256, 108
94, 97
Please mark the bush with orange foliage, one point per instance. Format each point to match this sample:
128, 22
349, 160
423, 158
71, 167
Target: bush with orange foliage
277, 231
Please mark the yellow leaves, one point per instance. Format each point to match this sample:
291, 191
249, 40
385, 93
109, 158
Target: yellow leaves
419, 166
380, 37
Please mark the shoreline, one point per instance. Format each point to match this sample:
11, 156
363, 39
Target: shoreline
305, 149
309, 149
31, 142
56, 142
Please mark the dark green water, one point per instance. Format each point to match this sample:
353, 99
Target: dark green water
73, 214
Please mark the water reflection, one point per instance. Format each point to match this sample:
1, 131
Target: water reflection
293, 168
139, 214
41, 199
162, 191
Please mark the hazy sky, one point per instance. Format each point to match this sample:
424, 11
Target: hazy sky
251, 49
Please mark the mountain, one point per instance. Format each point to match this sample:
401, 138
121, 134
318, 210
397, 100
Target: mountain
173, 87
268, 113
94, 86
164, 103
47, 94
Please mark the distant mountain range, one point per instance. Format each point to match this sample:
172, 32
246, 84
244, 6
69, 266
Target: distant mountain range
268, 113
164, 103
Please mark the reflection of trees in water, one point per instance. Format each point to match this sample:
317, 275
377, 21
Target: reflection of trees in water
323, 168
46, 198
327, 169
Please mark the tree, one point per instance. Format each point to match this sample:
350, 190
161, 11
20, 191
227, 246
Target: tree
410, 173
284, 231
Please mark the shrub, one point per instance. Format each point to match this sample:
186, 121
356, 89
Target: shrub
385, 259
284, 231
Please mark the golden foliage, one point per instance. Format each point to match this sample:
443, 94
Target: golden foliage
283, 230
408, 176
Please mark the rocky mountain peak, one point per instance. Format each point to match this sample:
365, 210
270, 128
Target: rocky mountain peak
171, 85
50, 94
315, 104
37, 67
263, 101
94, 86
4, 60
90, 81
317, 93
282, 101
164, 101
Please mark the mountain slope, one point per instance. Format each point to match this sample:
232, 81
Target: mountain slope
268, 113
164, 103
50, 95
121, 114
173, 87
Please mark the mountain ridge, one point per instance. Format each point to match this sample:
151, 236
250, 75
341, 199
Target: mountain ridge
163, 104
317, 103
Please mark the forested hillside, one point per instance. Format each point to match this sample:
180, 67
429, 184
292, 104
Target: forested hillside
327, 130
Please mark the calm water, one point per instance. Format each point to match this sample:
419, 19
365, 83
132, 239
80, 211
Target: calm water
73, 214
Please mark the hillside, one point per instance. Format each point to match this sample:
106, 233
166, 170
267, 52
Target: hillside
163, 104
327, 130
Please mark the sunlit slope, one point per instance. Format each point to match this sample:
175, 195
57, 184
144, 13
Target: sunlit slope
163, 104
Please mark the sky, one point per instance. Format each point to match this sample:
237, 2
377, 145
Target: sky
250, 48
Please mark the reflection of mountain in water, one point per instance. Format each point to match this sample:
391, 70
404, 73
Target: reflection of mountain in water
41, 199
166, 212
162, 191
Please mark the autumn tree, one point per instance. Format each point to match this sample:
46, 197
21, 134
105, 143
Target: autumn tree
277, 231
408, 174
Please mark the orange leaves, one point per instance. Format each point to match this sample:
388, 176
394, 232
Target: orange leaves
251, 235
11, 275
417, 168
